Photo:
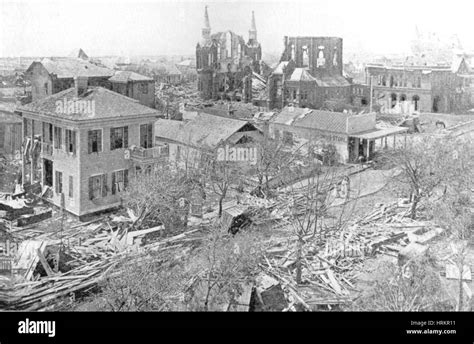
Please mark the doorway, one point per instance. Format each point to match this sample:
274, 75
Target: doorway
48, 172
436, 101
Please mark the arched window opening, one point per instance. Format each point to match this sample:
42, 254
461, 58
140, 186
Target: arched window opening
415, 100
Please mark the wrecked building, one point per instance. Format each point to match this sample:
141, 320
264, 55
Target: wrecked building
52, 75
10, 131
83, 155
226, 64
310, 72
134, 85
404, 89
185, 141
352, 135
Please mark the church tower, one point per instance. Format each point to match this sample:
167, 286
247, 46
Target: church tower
253, 29
206, 30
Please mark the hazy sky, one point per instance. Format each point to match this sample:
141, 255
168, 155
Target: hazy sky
156, 27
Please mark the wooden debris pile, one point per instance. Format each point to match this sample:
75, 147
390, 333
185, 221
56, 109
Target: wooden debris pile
93, 249
330, 261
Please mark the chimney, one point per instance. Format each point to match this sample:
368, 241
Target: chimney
80, 85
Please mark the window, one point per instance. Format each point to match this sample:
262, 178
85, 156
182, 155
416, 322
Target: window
97, 186
94, 141
143, 87
118, 138
58, 137
46, 88
320, 61
70, 141
71, 187
58, 187
146, 135
178, 152
119, 181
47, 132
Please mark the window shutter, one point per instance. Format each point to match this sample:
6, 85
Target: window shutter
104, 185
150, 135
56, 182
113, 183
71, 187
91, 188
74, 143
99, 140
125, 137
142, 136
125, 178
89, 142
112, 139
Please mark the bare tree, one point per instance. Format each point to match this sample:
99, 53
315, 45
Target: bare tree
227, 264
159, 196
424, 168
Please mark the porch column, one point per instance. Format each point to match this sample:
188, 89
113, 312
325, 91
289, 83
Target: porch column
32, 166
394, 138
23, 158
367, 150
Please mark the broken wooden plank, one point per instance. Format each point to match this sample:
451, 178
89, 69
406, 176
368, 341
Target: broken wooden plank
44, 262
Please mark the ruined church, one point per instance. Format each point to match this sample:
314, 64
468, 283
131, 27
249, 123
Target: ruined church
226, 63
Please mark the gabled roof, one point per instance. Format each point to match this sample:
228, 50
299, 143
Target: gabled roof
313, 119
79, 53
126, 76
301, 74
107, 104
71, 67
281, 66
203, 131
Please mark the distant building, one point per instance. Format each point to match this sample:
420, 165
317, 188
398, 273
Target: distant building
409, 88
188, 70
225, 63
200, 133
77, 144
310, 72
134, 85
10, 131
51, 76
352, 135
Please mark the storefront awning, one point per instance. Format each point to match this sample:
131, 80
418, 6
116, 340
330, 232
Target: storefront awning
378, 133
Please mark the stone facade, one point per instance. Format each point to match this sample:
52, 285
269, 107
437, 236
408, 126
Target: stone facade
406, 89
225, 63
309, 74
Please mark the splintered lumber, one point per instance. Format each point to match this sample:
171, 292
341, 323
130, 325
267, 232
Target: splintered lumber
44, 262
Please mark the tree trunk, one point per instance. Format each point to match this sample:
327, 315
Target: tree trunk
414, 204
299, 258
221, 199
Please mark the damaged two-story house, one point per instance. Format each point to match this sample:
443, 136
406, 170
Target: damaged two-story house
78, 145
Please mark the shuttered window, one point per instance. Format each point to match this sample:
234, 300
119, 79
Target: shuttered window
58, 137
146, 135
118, 138
70, 141
98, 186
119, 181
71, 187
58, 182
94, 141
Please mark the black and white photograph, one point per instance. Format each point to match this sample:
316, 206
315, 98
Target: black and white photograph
197, 156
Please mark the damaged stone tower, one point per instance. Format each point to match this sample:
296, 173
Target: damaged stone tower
225, 63
309, 74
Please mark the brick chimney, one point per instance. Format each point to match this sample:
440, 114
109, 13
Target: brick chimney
80, 85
